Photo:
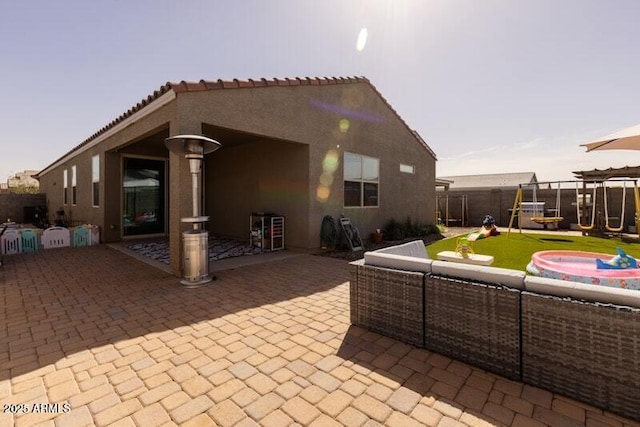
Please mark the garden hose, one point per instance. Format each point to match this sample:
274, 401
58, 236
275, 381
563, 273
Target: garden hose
328, 232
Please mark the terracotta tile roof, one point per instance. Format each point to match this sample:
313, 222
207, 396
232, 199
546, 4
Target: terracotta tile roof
251, 83
219, 84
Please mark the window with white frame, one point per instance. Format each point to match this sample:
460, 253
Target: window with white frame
65, 182
95, 180
361, 180
407, 168
74, 190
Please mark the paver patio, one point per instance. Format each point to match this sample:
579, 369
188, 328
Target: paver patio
122, 343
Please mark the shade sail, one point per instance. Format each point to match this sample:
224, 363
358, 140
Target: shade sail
625, 139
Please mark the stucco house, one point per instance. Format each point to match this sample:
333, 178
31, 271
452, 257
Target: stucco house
303, 148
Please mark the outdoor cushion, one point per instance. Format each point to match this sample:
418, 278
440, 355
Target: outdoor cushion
564, 288
496, 275
398, 262
411, 256
414, 249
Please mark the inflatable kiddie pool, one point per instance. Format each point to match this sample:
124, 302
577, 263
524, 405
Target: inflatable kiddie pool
581, 267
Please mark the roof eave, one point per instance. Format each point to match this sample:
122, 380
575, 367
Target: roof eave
108, 131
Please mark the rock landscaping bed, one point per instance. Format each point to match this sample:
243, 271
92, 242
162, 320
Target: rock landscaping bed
349, 255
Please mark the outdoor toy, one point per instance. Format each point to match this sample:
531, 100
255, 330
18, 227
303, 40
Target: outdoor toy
577, 266
619, 262
540, 217
463, 247
538, 213
464, 254
607, 225
488, 229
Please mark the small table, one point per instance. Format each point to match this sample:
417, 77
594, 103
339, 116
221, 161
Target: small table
476, 259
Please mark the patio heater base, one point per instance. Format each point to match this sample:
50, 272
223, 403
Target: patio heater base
196, 257
196, 284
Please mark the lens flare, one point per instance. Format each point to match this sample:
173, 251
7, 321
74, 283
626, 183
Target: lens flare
344, 125
330, 162
326, 179
322, 193
362, 39
329, 166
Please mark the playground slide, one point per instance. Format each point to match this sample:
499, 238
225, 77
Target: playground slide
482, 234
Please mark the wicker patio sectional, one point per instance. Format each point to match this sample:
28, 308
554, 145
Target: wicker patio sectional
579, 340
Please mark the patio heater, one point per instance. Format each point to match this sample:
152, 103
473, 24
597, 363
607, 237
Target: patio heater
196, 241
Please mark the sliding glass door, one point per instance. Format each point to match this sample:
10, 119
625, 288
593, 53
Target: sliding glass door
144, 195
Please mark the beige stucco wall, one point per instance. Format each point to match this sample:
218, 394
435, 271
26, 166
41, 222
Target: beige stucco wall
144, 137
263, 176
380, 134
108, 215
328, 119
52, 184
277, 168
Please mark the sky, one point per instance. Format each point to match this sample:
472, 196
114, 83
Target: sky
492, 86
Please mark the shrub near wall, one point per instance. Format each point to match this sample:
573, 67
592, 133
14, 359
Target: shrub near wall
12, 205
396, 230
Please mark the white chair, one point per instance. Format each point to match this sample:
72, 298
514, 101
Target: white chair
11, 242
56, 237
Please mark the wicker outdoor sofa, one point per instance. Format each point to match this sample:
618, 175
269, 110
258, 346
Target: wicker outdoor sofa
579, 340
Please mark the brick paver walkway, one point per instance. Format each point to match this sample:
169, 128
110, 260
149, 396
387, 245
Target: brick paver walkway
114, 341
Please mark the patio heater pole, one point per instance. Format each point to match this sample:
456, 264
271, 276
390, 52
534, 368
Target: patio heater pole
195, 241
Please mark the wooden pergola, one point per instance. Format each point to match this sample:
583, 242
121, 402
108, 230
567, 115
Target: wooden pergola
603, 174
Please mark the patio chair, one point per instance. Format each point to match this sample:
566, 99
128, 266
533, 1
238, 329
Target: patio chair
56, 237
29, 240
81, 236
11, 242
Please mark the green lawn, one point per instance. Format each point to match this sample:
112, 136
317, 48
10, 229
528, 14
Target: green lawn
514, 251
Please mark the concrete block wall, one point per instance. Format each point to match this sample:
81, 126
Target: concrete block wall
12, 205
498, 202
